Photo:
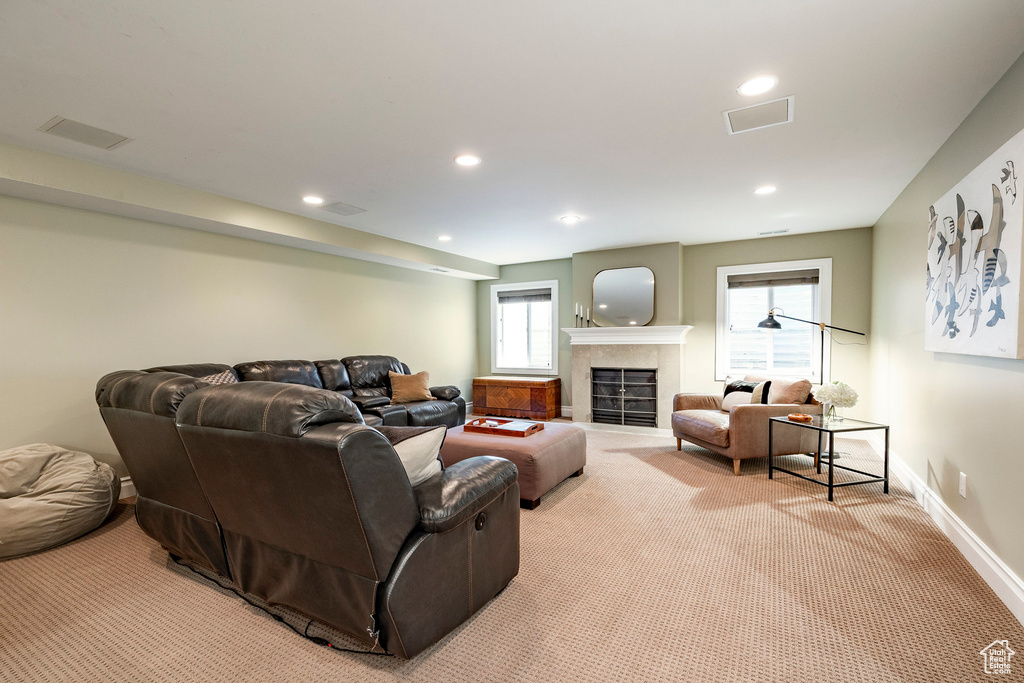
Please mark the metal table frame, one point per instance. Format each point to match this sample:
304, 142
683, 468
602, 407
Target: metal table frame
830, 427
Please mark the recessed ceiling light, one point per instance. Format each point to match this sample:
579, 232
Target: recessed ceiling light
444, 238
570, 219
765, 189
602, 306
467, 160
632, 322
313, 199
758, 85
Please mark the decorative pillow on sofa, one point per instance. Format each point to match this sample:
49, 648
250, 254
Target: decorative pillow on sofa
785, 389
409, 388
418, 448
226, 377
739, 392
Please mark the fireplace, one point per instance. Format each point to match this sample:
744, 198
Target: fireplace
649, 363
624, 396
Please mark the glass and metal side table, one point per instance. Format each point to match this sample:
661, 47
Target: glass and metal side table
831, 428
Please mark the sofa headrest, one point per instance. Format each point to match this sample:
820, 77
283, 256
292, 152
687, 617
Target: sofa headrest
333, 375
371, 371
159, 393
287, 371
268, 407
195, 369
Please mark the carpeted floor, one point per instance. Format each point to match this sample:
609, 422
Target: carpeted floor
653, 566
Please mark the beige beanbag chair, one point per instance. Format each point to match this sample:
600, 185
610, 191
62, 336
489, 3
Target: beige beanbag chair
50, 495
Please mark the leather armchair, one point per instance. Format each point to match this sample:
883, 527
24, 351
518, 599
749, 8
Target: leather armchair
742, 432
310, 508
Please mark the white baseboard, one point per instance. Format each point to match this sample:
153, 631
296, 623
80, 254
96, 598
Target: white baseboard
127, 488
1000, 578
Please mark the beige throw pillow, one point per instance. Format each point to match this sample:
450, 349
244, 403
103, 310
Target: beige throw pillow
409, 388
784, 389
419, 454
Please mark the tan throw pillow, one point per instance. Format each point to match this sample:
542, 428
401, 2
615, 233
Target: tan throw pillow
761, 392
789, 391
409, 388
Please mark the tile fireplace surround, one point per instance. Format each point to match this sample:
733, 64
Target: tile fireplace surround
658, 347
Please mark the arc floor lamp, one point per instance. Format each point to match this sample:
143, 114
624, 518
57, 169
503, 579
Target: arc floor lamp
770, 323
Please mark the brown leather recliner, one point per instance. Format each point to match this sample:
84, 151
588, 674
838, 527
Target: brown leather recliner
171, 507
316, 512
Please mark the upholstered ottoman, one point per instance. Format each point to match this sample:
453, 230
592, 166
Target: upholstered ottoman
544, 459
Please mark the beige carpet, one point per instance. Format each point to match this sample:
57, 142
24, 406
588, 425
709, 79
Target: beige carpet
653, 566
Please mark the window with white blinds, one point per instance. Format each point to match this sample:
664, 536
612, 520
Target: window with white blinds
746, 293
524, 327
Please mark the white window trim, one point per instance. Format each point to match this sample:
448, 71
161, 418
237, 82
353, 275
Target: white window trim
516, 286
824, 266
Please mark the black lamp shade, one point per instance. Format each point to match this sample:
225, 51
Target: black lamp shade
770, 323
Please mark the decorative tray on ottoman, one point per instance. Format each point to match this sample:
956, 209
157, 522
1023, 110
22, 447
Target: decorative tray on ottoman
493, 425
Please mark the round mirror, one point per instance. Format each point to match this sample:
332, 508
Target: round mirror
624, 297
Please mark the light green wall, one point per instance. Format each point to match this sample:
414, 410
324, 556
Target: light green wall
87, 293
850, 251
560, 270
950, 413
665, 260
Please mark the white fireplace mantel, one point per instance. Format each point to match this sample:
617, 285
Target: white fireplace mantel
664, 334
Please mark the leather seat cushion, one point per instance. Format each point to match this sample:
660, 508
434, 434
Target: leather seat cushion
711, 426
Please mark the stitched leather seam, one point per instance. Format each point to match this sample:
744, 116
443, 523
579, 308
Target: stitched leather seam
391, 587
152, 397
199, 413
266, 411
110, 391
359, 518
469, 544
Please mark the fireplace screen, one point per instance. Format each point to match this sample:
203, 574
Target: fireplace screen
624, 396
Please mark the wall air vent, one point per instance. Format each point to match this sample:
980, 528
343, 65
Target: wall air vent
439, 270
84, 133
342, 209
759, 116
768, 233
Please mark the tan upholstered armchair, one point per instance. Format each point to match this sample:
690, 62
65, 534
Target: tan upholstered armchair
742, 431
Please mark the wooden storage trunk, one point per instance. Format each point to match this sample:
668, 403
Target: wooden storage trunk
535, 399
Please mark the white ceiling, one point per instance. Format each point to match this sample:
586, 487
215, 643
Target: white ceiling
604, 108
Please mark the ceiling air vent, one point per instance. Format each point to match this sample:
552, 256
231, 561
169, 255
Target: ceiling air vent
768, 233
84, 133
342, 209
439, 270
759, 116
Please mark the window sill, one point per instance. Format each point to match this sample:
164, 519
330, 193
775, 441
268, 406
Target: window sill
524, 371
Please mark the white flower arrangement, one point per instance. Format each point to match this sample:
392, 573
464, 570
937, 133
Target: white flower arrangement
836, 394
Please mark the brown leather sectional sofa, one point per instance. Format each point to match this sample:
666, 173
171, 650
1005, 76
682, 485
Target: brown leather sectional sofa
361, 379
284, 490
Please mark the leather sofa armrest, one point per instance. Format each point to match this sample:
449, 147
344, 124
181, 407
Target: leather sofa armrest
697, 402
462, 490
366, 402
445, 393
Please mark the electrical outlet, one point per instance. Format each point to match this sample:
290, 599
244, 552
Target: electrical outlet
963, 485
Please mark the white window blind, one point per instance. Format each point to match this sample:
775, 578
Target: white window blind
745, 297
524, 327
